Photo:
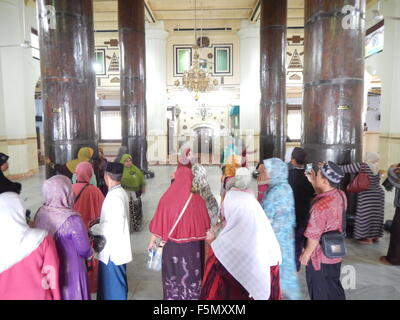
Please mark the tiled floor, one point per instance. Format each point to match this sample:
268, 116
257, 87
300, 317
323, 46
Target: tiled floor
362, 273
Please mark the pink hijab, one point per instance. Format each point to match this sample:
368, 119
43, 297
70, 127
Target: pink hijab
84, 172
58, 202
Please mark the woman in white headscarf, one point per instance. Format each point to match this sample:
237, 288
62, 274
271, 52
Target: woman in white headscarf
244, 261
28, 257
370, 203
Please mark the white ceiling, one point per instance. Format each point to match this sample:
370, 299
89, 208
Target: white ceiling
210, 13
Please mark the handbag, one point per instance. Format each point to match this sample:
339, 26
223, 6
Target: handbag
333, 243
156, 265
98, 242
387, 185
361, 182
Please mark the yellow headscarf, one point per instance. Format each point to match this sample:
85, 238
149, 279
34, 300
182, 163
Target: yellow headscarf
84, 154
233, 163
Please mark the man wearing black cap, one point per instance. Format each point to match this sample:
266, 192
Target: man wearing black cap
326, 214
114, 226
303, 193
5, 184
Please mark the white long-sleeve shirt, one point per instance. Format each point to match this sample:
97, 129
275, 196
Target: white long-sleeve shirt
114, 227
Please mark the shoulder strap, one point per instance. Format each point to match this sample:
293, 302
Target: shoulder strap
343, 214
78, 196
180, 216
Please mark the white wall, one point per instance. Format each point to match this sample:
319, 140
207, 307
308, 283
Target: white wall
19, 73
386, 65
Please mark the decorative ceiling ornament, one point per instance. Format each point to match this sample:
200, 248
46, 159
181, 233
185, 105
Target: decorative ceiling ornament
197, 79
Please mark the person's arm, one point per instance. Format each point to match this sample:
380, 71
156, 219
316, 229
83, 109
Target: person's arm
351, 168
393, 179
315, 229
152, 241
80, 237
308, 251
210, 236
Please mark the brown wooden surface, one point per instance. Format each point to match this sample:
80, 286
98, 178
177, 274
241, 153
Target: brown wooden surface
133, 83
68, 79
333, 77
273, 78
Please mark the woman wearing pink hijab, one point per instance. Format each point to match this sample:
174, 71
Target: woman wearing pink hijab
88, 198
70, 234
88, 202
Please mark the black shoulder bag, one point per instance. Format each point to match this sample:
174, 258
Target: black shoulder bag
333, 242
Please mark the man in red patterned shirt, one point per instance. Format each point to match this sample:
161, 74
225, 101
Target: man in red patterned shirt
322, 273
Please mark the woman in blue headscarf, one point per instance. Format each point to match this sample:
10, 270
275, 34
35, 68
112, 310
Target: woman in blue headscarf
278, 204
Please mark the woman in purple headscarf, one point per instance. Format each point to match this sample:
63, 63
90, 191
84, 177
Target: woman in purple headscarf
70, 235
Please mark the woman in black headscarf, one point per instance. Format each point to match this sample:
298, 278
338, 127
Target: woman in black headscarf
5, 184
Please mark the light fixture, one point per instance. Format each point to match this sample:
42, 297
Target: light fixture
196, 79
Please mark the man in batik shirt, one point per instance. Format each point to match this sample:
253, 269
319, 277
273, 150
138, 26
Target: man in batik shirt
323, 273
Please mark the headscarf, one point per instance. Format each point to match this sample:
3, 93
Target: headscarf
84, 154
279, 207
122, 150
58, 202
91, 199
201, 186
195, 221
132, 177
84, 172
184, 158
242, 178
233, 163
230, 150
3, 158
277, 171
247, 246
372, 160
16, 238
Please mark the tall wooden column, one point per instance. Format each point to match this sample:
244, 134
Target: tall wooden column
133, 85
333, 80
273, 78
68, 78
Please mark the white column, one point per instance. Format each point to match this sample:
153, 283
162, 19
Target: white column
156, 92
390, 65
19, 73
250, 84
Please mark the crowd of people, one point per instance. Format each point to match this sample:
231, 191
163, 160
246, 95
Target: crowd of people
248, 246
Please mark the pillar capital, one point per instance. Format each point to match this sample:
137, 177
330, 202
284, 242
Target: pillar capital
249, 30
156, 31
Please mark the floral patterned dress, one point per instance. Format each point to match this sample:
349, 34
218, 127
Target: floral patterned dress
278, 204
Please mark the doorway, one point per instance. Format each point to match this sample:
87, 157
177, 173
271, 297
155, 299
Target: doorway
203, 144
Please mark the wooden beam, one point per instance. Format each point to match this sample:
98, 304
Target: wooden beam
148, 12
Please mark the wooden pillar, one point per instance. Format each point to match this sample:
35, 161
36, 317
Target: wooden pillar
133, 85
273, 78
68, 78
333, 80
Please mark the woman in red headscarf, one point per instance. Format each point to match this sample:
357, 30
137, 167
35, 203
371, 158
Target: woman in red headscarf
88, 202
181, 222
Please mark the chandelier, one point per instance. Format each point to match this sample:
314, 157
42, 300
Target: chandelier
196, 79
